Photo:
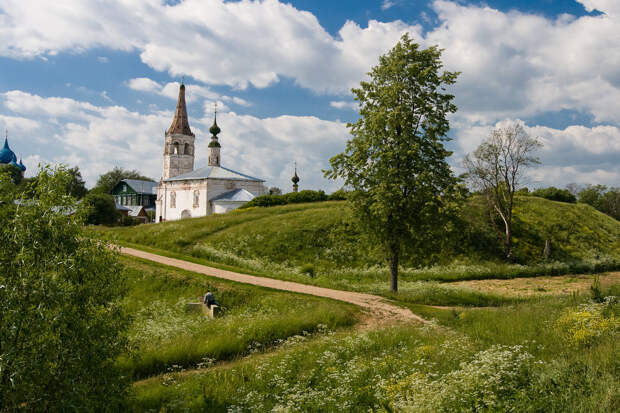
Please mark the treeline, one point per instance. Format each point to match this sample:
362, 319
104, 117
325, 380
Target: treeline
98, 200
601, 197
295, 198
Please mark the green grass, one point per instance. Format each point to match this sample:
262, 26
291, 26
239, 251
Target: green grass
164, 336
285, 241
513, 357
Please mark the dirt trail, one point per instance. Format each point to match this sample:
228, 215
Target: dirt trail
377, 307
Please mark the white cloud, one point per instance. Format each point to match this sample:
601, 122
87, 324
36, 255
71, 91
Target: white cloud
96, 138
387, 4
232, 43
193, 93
144, 84
573, 154
512, 64
103, 59
341, 104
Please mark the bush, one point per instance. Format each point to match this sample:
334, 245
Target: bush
555, 194
339, 195
61, 321
307, 269
290, 198
101, 209
585, 325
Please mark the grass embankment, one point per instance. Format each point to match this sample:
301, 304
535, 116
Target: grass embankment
554, 354
316, 244
164, 336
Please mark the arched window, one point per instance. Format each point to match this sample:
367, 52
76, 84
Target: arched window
196, 198
186, 149
175, 148
173, 199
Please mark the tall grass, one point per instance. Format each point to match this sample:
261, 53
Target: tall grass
164, 335
506, 359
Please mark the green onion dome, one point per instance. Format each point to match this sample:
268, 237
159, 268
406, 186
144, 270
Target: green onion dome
214, 129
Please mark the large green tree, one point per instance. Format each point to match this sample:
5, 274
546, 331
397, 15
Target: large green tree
62, 325
395, 162
108, 180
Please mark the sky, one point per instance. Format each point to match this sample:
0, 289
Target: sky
94, 83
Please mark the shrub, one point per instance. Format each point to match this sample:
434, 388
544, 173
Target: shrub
61, 321
290, 198
101, 209
490, 382
588, 323
307, 269
339, 195
555, 194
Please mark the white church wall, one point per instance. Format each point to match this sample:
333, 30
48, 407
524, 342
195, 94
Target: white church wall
221, 207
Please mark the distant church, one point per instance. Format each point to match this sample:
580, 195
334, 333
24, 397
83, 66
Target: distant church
185, 192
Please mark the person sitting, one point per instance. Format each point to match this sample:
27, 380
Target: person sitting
209, 299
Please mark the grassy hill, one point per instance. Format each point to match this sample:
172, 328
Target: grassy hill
318, 243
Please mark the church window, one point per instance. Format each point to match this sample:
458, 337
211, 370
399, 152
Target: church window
175, 151
196, 198
186, 149
173, 199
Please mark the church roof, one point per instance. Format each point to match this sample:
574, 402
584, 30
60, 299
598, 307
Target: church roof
214, 172
142, 187
236, 195
180, 123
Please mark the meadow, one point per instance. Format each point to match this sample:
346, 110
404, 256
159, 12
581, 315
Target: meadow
555, 354
164, 336
501, 337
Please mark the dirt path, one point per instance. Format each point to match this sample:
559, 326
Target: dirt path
377, 307
527, 287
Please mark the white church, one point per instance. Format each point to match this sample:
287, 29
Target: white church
184, 192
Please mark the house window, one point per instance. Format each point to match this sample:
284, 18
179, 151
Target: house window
196, 198
173, 199
124, 188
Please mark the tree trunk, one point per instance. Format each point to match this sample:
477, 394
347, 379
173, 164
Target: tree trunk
394, 269
508, 241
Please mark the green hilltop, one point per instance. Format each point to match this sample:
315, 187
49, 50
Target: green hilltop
320, 242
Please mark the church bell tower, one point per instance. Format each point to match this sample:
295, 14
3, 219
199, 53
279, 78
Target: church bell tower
179, 142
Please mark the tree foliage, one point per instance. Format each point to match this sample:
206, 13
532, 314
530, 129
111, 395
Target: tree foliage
497, 167
101, 209
13, 172
600, 197
61, 321
395, 163
555, 194
76, 186
107, 181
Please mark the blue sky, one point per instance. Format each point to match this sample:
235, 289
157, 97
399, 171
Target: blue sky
94, 84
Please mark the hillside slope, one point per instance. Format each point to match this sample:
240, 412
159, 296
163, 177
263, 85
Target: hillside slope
285, 238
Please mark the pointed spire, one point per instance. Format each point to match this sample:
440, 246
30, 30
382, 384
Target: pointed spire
180, 123
295, 179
